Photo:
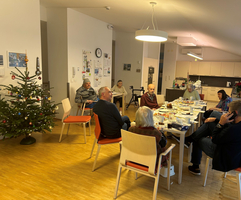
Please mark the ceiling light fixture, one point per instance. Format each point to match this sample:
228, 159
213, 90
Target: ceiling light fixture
194, 55
152, 35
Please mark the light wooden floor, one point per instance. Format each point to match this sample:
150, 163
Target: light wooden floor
50, 170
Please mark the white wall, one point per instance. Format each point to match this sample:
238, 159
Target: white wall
20, 31
128, 51
43, 13
209, 54
169, 66
86, 33
57, 54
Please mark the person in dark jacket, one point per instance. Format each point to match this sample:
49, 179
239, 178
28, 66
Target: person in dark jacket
224, 145
110, 119
149, 98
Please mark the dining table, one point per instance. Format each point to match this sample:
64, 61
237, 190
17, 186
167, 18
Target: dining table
185, 114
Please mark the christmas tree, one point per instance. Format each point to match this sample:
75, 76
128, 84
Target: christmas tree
28, 107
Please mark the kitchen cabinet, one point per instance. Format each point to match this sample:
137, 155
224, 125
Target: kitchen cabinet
237, 69
205, 92
204, 68
227, 69
215, 68
182, 68
194, 68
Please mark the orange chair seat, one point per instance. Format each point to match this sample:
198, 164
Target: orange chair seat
238, 169
137, 166
109, 141
77, 119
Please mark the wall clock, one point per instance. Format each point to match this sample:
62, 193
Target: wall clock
98, 52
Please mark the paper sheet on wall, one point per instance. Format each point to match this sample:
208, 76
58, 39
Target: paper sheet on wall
107, 65
87, 63
98, 73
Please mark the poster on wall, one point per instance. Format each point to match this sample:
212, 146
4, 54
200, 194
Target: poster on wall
1, 59
98, 73
16, 59
87, 63
107, 64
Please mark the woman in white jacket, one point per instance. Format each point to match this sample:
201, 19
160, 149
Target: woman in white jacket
119, 88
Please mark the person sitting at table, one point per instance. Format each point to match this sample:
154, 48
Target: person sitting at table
149, 98
145, 126
191, 92
119, 88
225, 144
223, 103
110, 119
86, 94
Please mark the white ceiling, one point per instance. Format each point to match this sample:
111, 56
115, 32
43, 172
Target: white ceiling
213, 23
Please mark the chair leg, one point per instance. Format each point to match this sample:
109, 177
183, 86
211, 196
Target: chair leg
225, 174
84, 132
61, 132
156, 186
68, 129
97, 154
89, 128
93, 147
206, 171
136, 175
238, 177
169, 162
117, 181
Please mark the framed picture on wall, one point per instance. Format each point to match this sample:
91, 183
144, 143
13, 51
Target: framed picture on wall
1, 59
127, 67
16, 59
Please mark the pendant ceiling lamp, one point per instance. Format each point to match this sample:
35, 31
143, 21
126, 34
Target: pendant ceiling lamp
151, 35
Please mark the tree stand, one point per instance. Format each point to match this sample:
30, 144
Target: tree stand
28, 140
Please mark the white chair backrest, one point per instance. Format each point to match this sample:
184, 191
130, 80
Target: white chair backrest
67, 108
139, 101
160, 99
140, 149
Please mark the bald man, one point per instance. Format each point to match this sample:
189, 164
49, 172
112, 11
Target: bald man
149, 98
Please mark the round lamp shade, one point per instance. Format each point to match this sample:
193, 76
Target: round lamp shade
151, 35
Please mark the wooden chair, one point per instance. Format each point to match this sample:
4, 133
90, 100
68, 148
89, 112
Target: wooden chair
138, 153
68, 119
99, 140
82, 108
238, 176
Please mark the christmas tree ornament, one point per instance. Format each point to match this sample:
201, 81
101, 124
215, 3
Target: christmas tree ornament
13, 77
38, 72
41, 113
11, 93
16, 92
30, 123
19, 95
49, 98
33, 126
37, 99
31, 97
26, 118
19, 113
26, 98
56, 108
39, 78
46, 97
4, 121
28, 78
50, 127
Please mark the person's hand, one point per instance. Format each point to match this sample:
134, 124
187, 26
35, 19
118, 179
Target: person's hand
89, 101
225, 119
210, 119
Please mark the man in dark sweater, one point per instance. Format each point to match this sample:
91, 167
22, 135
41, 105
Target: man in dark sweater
149, 98
225, 145
110, 119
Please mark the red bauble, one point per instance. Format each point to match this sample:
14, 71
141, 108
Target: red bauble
13, 77
41, 113
39, 78
30, 123
37, 99
4, 121
28, 78
26, 98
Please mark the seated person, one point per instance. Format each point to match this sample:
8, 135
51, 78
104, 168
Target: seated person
149, 98
110, 119
191, 92
120, 89
145, 126
225, 145
223, 103
86, 94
